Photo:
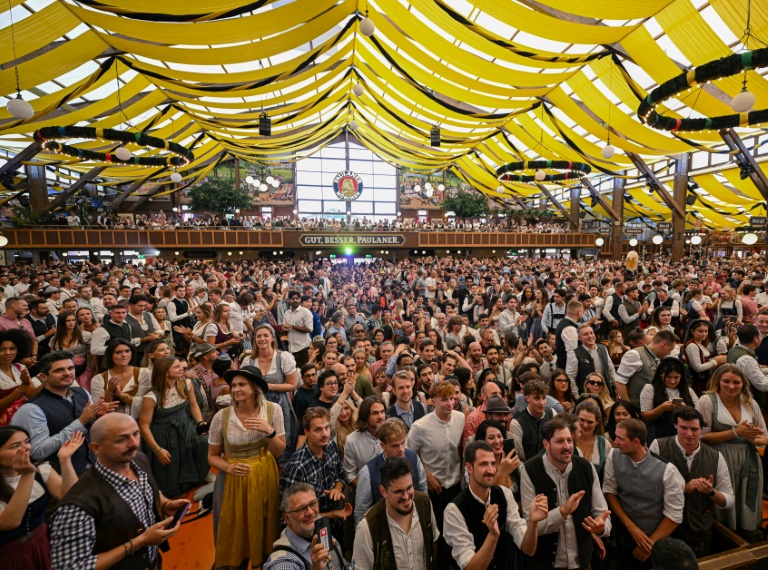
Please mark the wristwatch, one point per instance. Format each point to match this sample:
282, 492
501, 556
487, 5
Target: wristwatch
273, 434
712, 493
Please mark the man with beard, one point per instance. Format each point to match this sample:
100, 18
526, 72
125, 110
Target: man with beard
493, 358
298, 322
400, 531
96, 521
475, 359
362, 445
578, 511
298, 548
483, 520
318, 463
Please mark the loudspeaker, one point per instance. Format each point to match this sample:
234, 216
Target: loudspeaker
434, 136
690, 200
265, 125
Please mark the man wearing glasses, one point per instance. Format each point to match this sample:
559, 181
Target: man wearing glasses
297, 548
590, 356
403, 524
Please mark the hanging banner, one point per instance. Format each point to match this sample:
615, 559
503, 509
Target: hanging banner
361, 240
348, 185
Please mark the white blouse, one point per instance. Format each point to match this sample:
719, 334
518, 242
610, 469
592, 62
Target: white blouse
37, 488
646, 396
172, 397
287, 361
237, 434
98, 389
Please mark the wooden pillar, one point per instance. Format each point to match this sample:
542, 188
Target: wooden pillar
38, 188
575, 207
617, 226
680, 192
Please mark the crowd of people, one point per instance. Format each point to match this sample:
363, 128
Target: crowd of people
470, 412
171, 221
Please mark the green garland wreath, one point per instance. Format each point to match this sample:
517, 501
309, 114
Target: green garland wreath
718, 69
49, 137
573, 170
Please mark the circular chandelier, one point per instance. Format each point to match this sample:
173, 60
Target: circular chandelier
50, 139
718, 69
513, 172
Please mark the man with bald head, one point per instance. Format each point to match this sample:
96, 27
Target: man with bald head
478, 416
115, 515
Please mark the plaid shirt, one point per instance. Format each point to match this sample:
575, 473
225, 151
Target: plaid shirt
289, 560
73, 531
320, 472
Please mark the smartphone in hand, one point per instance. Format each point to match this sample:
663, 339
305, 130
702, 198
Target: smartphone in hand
178, 515
323, 532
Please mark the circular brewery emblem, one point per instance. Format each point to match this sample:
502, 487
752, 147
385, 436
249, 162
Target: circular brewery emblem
348, 185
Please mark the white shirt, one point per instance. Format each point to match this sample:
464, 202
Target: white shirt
567, 546
673, 487
302, 317
722, 477
360, 448
630, 364
98, 389
409, 546
458, 537
648, 392
437, 443
758, 377
37, 490
239, 435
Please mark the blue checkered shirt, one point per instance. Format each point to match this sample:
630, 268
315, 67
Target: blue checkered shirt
73, 531
289, 560
320, 472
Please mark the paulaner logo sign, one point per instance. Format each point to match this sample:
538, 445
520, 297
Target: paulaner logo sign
361, 240
348, 185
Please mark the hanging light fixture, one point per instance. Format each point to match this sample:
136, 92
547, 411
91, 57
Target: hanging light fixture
540, 175
608, 150
262, 187
3, 241
633, 242
441, 187
354, 125
176, 177
744, 101
749, 239
249, 179
358, 89
367, 27
658, 240
599, 242
17, 106
429, 189
123, 153
696, 240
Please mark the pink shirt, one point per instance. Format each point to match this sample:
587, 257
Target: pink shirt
10, 323
749, 307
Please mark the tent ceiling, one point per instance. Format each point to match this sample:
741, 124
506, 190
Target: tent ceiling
503, 80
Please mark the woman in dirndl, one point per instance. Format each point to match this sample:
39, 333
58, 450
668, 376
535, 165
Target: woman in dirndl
243, 443
278, 368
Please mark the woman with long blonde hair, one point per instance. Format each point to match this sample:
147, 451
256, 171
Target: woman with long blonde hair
345, 424
170, 420
734, 425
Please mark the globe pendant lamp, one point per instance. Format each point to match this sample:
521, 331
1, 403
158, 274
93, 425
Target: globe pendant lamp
20, 108
358, 90
744, 101
367, 27
176, 177
608, 151
123, 153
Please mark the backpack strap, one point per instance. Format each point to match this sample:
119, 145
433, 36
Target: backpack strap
281, 548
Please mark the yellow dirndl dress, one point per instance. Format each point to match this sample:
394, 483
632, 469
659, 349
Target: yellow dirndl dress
249, 523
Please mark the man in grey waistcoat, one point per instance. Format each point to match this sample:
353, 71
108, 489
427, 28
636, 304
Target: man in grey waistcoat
631, 484
707, 480
639, 365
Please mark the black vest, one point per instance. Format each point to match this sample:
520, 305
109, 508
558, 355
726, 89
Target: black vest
560, 353
473, 512
698, 507
59, 413
115, 522
122, 331
182, 306
586, 366
41, 328
138, 332
532, 444
617, 301
762, 352
580, 479
383, 549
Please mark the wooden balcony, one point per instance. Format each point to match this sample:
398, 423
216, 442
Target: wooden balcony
92, 239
